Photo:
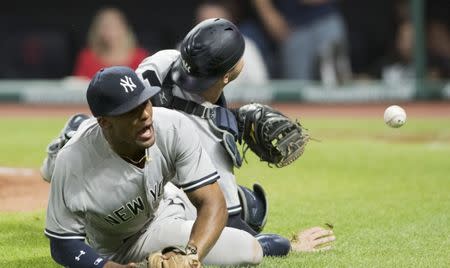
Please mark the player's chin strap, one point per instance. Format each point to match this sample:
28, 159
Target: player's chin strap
220, 119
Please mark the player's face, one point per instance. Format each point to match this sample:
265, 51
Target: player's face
135, 128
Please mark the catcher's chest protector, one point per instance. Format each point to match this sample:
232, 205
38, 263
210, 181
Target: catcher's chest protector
220, 119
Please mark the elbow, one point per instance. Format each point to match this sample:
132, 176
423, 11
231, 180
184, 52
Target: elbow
55, 251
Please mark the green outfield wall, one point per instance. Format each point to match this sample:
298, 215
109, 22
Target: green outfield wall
73, 91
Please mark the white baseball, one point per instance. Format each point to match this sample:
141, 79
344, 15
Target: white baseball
394, 116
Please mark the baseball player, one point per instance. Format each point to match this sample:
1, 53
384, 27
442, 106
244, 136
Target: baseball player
192, 82
111, 202
194, 85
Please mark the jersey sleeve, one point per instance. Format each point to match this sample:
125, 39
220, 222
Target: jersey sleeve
62, 222
193, 166
154, 69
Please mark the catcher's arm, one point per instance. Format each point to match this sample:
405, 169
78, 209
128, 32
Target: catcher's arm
211, 217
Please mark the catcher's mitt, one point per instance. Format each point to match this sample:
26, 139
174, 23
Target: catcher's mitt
271, 135
175, 258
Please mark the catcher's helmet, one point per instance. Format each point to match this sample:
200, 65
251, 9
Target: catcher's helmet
208, 51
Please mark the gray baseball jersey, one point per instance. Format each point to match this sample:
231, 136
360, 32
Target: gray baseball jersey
98, 196
153, 71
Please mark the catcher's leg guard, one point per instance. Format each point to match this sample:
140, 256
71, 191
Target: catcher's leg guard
49, 162
255, 207
72, 126
69, 129
274, 245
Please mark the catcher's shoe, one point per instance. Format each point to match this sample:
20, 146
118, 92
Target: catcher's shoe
56, 144
274, 245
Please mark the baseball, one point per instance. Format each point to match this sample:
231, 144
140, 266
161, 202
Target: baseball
394, 116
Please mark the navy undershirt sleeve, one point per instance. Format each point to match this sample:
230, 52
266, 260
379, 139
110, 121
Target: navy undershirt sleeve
75, 253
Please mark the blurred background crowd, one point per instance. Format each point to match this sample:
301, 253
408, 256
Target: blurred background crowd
328, 40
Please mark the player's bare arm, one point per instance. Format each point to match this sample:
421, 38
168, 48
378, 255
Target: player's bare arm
211, 217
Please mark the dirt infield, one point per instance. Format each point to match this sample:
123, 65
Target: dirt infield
21, 191
25, 191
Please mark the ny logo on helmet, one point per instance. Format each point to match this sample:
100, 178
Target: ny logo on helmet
127, 84
186, 66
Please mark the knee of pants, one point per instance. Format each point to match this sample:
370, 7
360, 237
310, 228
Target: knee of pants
251, 257
235, 247
258, 254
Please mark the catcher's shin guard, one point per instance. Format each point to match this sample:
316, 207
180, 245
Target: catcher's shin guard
69, 129
72, 125
255, 206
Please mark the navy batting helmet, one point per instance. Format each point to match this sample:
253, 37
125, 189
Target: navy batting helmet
209, 50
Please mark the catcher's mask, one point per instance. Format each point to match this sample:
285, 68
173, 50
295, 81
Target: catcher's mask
255, 207
209, 51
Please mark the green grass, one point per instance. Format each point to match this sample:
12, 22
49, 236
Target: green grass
22, 241
386, 191
23, 141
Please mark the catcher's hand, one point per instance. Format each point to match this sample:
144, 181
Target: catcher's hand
313, 240
271, 135
171, 257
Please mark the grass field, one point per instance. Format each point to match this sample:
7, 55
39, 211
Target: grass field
386, 191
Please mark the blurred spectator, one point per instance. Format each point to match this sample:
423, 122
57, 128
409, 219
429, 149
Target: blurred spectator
310, 33
397, 65
438, 37
111, 41
254, 71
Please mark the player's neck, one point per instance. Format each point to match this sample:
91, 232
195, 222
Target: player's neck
138, 159
135, 156
213, 93
139, 162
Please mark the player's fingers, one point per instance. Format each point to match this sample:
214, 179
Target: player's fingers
321, 233
322, 249
312, 230
324, 240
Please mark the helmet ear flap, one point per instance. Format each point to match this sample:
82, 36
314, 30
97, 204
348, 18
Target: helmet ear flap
255, 207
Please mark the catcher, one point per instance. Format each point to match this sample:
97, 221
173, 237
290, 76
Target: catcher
192, 81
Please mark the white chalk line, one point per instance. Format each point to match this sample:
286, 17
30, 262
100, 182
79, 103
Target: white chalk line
11, 171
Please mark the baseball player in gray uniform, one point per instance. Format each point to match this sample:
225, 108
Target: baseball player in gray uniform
111, 202
192, 82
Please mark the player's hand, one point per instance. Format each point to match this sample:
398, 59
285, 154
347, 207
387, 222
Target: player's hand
313, 240
170, 259
111, 264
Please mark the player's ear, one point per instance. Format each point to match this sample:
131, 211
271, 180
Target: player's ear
226, 78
